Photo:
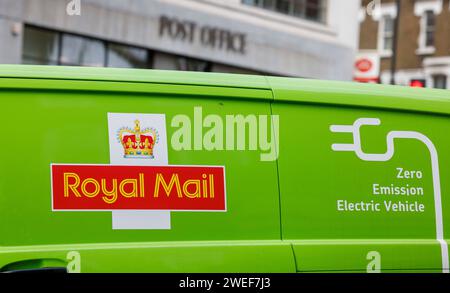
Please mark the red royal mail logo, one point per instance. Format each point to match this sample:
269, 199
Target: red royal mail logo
109, 187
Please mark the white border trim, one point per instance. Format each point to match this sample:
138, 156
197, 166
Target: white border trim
420, 6
384, 9
110, 210
362, 14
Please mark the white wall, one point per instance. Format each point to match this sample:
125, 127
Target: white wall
343, 18
10, 32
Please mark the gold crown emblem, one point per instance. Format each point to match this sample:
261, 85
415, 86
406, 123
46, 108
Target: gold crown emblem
138, 143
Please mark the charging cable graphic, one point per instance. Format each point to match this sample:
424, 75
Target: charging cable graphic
356, 147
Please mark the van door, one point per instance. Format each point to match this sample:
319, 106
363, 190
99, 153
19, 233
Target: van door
62, 118
363, 181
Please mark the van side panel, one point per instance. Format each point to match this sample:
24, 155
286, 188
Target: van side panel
65, 121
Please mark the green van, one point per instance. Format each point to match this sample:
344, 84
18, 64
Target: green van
124, 170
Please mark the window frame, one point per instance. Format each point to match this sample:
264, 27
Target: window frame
382, 36
444, 77
42, 61
322, 9
424, 48
101, 42
148, 61
105, 43
421, 9
380, 13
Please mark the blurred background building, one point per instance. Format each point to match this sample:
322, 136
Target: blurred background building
423, 54
304, 38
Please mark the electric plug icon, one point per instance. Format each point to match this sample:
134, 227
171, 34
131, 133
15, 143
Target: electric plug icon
354, 129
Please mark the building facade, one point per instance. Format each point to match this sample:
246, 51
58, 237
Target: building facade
423, 54
304, 38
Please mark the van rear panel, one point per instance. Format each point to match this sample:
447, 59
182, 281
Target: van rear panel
370, 179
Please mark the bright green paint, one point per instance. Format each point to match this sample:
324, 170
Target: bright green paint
281, 215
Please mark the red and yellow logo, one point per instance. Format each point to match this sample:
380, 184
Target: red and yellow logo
138, 143
110, 187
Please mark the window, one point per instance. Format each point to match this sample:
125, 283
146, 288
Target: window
440, 81
427, 31
283, 6
385, 14
40, 46
267, 4
82, 51
189, 64
314, 10
429, 28
388, 33
427, 10
174, 62
217, 67
127, 57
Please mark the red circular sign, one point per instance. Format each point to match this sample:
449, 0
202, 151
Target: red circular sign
364, 65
